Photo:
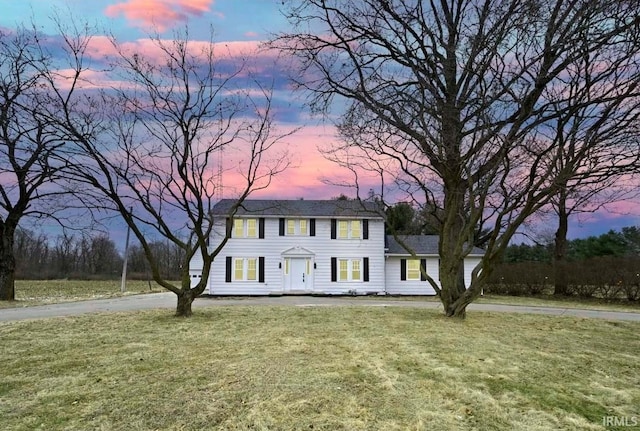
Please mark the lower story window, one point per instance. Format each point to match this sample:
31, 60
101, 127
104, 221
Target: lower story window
245, 269
349, 270
413, 269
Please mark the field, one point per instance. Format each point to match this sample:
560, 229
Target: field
325, 368
42, 292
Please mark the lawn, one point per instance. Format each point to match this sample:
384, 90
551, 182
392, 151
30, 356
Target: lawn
42, 292
342, 368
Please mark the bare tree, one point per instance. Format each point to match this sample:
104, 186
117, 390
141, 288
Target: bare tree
597, 144
29, 143
153, 142
452, 100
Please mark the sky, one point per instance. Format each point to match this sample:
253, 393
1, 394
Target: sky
240, 24
243, 24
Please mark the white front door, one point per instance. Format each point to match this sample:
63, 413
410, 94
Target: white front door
298, 274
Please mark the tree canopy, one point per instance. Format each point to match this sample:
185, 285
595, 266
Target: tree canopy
458, 104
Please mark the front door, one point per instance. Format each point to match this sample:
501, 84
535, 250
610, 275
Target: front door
298, 274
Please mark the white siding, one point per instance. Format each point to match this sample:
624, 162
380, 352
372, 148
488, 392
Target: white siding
321, 245
396, 286
384, 274
469, 264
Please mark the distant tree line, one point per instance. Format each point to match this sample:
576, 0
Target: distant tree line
605, 266
92, 256
625, 242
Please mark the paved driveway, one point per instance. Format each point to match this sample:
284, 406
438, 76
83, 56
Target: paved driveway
167, 300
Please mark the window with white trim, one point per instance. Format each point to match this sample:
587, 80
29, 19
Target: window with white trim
295, 227
349, 270
349, 229
413, 269
245, 269
245, 228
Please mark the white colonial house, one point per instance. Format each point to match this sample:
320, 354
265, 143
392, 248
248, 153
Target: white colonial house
331, 247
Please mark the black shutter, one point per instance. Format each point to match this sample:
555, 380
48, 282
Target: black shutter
365, 269
227, 275
229, 227
312, 227
261, 227
365, 229
334, 269
423, 269
281, 227
403, 269
261, 269
333, 228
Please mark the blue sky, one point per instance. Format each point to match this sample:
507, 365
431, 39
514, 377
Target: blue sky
232, 19
244, 23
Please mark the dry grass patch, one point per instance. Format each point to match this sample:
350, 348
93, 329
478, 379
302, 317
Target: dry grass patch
42, 292
262, 368
562, 302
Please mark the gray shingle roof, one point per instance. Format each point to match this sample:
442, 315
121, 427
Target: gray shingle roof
421, 244
299, 208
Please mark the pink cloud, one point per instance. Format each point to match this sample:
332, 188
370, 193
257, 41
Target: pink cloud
306, 176
159, 14
102, 47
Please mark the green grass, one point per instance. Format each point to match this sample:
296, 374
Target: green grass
41, 292
343, 368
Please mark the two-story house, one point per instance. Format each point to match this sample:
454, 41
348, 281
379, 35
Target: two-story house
332, 247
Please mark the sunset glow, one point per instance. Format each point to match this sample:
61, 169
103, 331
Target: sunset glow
239, 30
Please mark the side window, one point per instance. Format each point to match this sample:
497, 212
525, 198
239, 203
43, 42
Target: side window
343, 273
238, 273
355, 229
343, 229
291, 227
252, 228
355, 270
252, 269
238, 228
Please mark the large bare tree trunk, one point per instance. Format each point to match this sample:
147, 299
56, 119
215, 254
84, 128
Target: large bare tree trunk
452, 259
561, 287
185, 299
7, 264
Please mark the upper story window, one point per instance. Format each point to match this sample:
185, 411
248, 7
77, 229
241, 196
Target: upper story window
291, 227
245, 228
297, 227
349, 229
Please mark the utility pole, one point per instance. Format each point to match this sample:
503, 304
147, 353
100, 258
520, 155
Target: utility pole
123, 283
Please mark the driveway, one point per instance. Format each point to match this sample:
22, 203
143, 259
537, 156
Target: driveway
167, 300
